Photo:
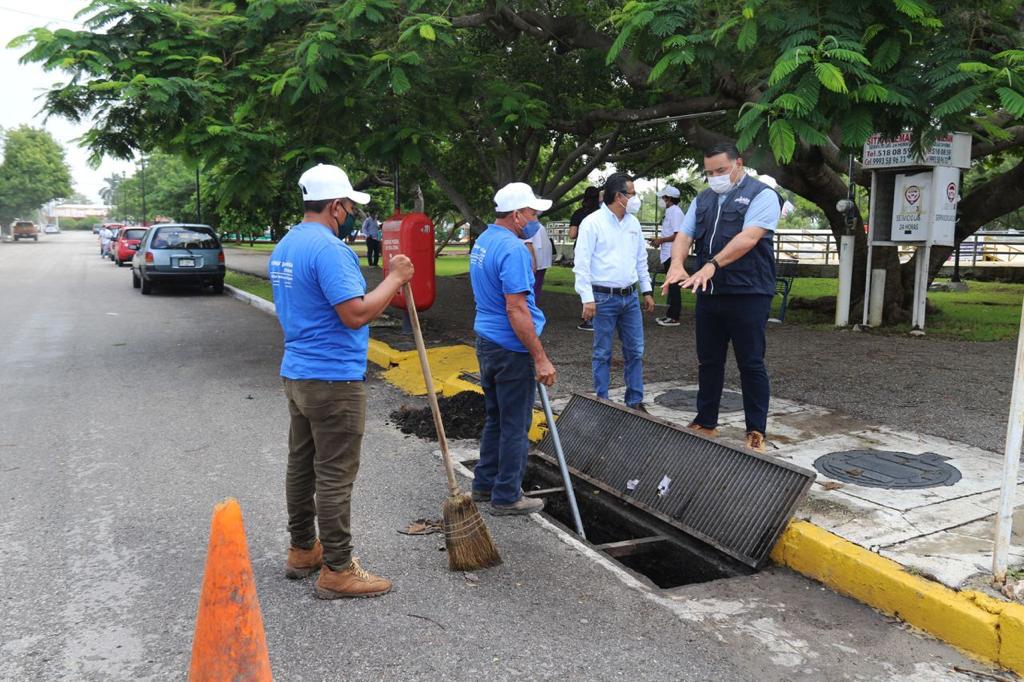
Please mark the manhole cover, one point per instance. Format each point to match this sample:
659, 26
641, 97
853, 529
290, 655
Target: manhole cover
685, 399
888, 469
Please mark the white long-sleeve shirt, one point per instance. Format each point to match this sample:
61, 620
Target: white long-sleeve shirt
609, 253
672, 223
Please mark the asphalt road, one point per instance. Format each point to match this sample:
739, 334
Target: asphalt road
127, 417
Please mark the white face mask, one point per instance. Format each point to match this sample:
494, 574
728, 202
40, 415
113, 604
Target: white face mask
633, 205
721, 184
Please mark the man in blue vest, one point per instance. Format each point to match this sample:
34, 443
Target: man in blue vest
730, 225
324, 308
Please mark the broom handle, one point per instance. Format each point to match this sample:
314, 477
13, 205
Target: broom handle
428, 381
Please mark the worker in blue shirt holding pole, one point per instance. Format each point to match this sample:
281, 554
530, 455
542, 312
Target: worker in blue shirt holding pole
730, 225
322, 304
508, 326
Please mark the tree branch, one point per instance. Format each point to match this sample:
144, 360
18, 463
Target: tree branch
463, 207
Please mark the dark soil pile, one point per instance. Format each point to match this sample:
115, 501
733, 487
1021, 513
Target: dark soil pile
462, 415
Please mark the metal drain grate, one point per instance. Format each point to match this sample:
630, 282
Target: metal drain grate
734, 500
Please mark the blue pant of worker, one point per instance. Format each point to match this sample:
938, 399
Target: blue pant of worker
509, 382
740, 319
621, 312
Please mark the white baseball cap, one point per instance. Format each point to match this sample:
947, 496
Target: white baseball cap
329, 182
669, 191
517, 195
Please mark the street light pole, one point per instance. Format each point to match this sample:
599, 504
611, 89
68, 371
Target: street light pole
143, 162
199, 215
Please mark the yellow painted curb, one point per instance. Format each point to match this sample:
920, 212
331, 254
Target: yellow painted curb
383, 355
972, 621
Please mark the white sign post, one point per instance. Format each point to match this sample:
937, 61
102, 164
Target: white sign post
1011, 464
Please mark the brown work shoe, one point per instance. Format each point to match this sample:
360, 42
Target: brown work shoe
702, 430
524, 505
302, 562
352, 581
755, 441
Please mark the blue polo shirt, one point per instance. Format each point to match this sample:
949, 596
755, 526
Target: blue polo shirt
312, 271
500, 264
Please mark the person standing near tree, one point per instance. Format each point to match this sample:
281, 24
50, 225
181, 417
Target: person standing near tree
591, 202
508, 325
543, 255
730, 225
323, 307
611, 268
371, 230
669, 226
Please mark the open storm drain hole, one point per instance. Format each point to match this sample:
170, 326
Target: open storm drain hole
641, 543
685, 399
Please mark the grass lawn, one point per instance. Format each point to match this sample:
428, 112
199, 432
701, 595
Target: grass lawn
358, 247
988, 311
256, 286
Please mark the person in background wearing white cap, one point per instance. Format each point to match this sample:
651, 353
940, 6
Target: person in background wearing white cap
610, 265
324, 309
508, 325
669, 226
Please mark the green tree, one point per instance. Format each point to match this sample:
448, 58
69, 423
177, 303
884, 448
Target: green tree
33, 172
468, 96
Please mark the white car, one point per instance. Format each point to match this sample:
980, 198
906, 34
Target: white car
51, 229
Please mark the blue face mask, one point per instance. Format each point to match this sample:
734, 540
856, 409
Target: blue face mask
529, 229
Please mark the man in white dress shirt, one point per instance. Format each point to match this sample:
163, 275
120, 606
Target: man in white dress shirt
611, 268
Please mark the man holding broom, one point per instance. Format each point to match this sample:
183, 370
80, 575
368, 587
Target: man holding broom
323, 308
508, 325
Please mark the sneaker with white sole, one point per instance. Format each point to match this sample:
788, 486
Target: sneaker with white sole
585, 326
667, 322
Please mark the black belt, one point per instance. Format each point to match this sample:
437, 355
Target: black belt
625, 291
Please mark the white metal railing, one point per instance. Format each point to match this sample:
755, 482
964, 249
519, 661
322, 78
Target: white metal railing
820, 247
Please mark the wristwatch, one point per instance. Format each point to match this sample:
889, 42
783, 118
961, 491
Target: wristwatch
715, 263
647, 293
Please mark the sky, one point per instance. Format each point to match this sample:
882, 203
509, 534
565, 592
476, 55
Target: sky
23, 83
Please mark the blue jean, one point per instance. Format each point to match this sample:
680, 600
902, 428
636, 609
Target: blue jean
740, 319
508, 379
622, 313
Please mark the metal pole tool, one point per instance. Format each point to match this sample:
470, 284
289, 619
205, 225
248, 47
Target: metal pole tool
561, 459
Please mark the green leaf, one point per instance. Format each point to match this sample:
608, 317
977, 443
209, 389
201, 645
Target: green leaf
787, 63
1012, 101
958, 102
887, 54
975, 67
747, 37
399, 81
427, 32
871, 92
782, 140
809, 133
619, 43
749, 133
847, 56
1013, 57
857, 125
870, 32
380, 57
910, 7
831, 77
792, 102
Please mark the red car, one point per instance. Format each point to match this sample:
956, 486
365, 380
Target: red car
126, 243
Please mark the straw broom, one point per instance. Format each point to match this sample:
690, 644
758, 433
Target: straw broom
466, 537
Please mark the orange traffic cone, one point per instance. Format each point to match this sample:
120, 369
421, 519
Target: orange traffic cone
229, 642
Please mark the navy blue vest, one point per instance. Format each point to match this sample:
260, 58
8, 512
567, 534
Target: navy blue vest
754, 273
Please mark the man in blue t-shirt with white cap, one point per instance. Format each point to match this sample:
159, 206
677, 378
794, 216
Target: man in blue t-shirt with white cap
508, 325
323, 307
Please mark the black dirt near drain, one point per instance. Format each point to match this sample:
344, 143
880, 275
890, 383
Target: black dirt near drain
462, 415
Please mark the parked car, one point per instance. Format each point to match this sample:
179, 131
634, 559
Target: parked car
126, 243
51, 229
25, 229
178, 253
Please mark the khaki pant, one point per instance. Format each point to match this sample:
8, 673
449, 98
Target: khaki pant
326, 434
